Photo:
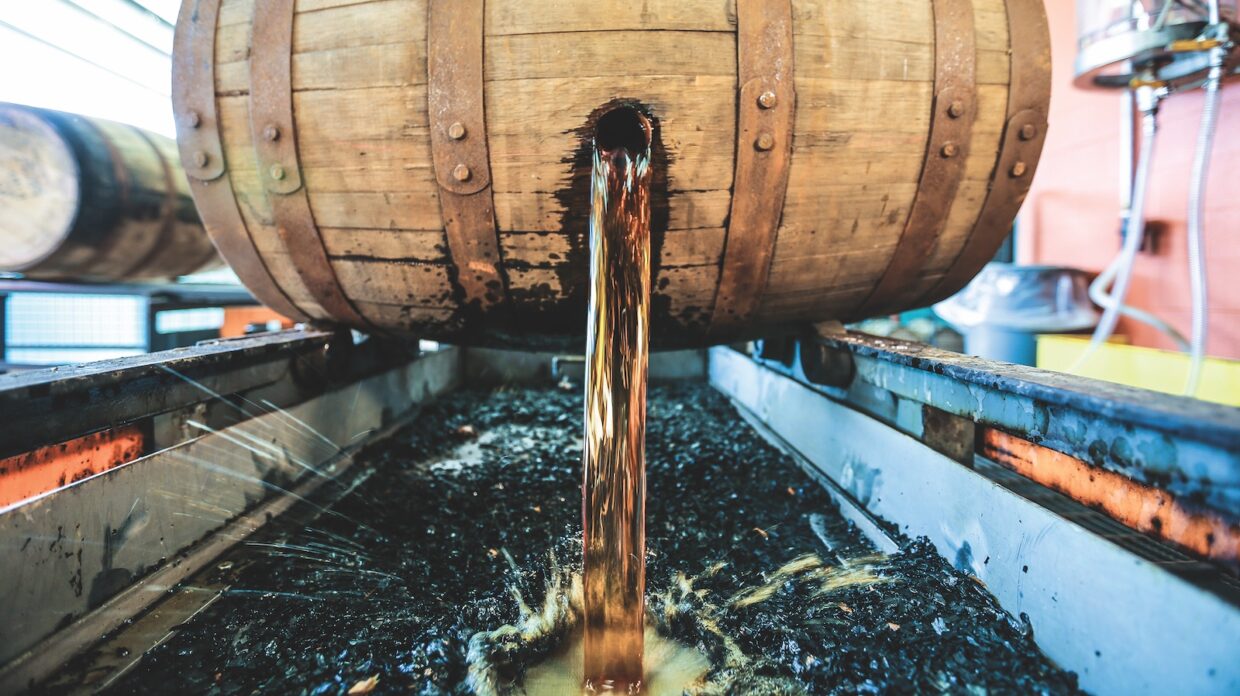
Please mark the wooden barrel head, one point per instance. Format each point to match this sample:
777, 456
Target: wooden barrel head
38, 189
422, 166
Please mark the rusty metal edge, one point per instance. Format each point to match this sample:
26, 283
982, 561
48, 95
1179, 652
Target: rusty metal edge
1028, 98
460, 153
1149, 509
25, 672
194, 107
764, 128
273, 129
953, 111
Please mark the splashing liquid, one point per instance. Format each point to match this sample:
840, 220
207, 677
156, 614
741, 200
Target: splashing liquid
617, 348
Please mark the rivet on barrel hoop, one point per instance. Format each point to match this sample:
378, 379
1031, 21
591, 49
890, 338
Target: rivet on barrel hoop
461, 173
1028, 131
949, 150
193, 119
1018, 169
765, 142
277, 172
201, 159
456, 131
767, 100
271, 133
956, 109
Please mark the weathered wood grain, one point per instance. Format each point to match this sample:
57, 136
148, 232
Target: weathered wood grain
864, 78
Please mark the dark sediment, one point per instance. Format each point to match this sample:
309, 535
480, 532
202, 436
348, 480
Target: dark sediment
449, 516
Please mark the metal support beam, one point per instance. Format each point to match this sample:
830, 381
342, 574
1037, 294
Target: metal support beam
1126, 614
126, 535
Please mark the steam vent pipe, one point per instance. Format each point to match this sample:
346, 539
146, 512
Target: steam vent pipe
430, 176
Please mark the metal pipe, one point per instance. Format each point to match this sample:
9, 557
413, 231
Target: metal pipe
1120, 269
1196, 211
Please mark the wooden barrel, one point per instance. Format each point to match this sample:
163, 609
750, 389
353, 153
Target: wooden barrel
87, 199
422, 166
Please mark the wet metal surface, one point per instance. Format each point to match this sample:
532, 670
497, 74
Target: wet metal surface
1100, 597
68, 553
1189, 447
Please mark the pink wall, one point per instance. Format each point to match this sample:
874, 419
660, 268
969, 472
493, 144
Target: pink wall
1071, 215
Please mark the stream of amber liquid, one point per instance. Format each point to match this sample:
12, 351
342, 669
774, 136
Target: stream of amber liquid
614, 487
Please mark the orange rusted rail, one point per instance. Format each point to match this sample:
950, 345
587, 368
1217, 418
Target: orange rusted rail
1142, 507
45, 469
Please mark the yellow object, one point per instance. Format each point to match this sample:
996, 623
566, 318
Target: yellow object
1148, 368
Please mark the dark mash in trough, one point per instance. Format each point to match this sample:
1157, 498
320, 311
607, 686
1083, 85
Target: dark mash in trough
430, 535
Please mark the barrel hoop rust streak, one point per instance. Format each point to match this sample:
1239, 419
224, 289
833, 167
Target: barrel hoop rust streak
951, 128
202, 155
765, 118
168, 210
279, 168
1021, 146
459, 150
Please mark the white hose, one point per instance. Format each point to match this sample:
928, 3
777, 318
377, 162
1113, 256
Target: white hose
1098, 294
1196, 240
1122, 273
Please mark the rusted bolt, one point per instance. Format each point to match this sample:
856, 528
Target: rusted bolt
277, 172
767, 100
1018, 169
949, 150
461, 173
201, 159
1028, 131
271, 133
764, 142
955, 109
456, 131
193, 119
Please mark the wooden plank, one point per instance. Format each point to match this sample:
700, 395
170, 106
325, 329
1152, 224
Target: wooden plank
534, 162
407, 211
365, 24
610, 53
380, 113
533, 285
690, 292
534, 248
395, 283
541, 212
241, 11
357, 67
693, 247
506, 17
533, 127
402, 317
386, 244
909, 21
